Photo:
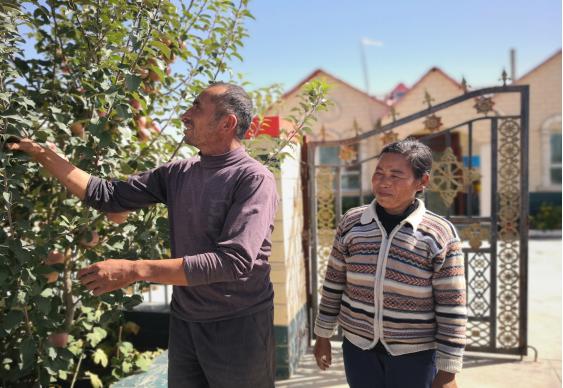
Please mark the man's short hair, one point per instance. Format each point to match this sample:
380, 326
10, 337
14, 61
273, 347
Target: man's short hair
234, 100
418, 155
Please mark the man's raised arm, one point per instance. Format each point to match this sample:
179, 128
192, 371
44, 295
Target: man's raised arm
73, 178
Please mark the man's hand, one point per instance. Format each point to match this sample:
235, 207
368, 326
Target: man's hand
108, 275
70, 176
444, 380
26, 145
323, 353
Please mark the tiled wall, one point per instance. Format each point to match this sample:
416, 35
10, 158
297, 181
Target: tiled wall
288, 270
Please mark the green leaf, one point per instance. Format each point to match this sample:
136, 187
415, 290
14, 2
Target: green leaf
48, 292
12, 320
94, 380
132, 82
143, 362
126, 366
96, 336
44, 305
126, 347
52, 353
100, 357
6, 197
27, 349
164, 49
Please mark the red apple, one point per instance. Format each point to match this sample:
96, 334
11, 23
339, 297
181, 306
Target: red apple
143, 134
136, 105
154, 76
102, 113
92, 242
117, 218
141, 122
143, 73
77, 129
155, 127
54, 257
58, 340
148, 89
171, 59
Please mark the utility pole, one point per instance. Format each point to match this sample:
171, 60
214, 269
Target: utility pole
367, 42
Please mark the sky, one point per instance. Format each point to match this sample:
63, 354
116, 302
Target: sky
465, 38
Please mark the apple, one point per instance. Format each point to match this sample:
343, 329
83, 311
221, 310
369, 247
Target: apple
148, 89
117, 218
154, 76
58, 340
77, 129
155, 127
171, 59
143, 73
136, 105
92, 242
141, 122
143, 134
102, 113
54, 257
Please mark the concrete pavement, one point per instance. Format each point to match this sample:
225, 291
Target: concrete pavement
485, 371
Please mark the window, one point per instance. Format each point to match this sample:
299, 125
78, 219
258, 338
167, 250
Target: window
555, 159
350, 178
551, 154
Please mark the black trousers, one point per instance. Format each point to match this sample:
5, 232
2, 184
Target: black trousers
234, 353
375, 368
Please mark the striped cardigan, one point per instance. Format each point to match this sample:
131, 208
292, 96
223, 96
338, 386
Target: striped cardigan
417, 276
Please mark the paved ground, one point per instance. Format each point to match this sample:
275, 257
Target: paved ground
544, 334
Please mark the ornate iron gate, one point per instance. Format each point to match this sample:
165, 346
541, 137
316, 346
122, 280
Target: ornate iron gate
495, 241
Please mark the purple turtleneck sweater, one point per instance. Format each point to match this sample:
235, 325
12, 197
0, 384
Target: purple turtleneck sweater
221, 215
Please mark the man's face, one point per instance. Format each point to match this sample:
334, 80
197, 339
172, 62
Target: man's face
394, 184
202, 127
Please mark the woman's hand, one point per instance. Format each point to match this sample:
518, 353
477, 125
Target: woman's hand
323, 353
444, 380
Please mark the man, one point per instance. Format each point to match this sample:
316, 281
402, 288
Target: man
221, 207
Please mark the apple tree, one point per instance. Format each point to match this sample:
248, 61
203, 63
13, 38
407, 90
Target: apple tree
102, 83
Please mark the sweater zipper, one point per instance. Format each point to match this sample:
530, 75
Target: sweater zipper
378, 286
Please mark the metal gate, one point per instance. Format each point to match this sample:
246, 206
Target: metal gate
492, 221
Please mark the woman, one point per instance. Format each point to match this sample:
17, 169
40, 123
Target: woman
395, 283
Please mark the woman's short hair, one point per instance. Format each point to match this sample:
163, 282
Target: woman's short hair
418, 155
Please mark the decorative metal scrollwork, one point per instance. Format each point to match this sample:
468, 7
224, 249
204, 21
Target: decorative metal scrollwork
433, 123
449, 177
509, 234
389, 137
325, 219
484, 104
347, 154
475, 234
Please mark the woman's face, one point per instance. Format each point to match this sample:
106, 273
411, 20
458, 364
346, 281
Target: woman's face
394, 184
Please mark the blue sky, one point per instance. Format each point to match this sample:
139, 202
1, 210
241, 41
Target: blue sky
471, 38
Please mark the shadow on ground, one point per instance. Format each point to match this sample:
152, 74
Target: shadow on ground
308, 373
